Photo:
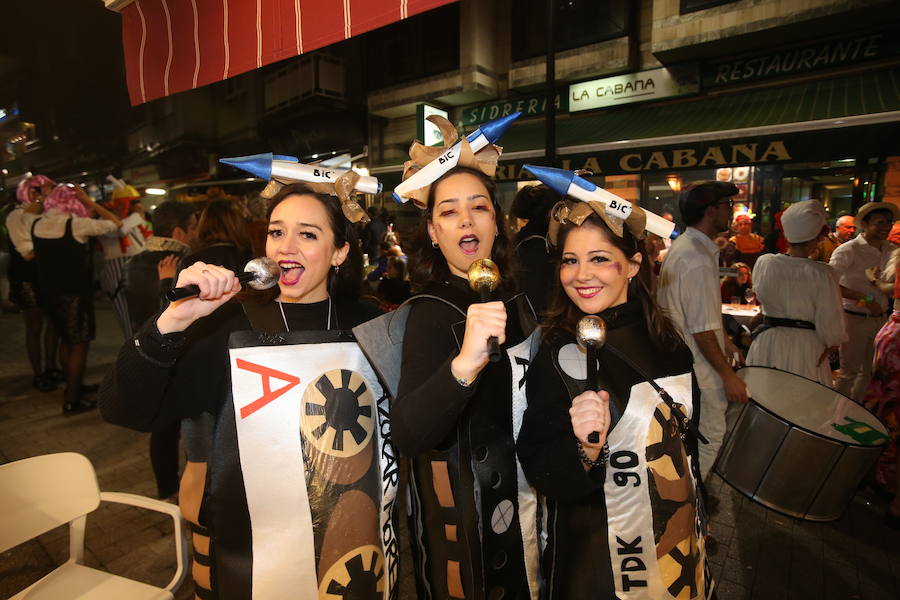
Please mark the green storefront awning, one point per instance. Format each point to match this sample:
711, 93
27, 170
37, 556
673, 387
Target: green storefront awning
831, 99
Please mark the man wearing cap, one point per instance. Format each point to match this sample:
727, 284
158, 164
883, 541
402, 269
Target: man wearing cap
689, 292
844, 230
864, 303
803, 320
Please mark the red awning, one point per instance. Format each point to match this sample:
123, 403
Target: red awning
176, 45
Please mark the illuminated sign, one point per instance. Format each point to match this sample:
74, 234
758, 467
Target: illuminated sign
631, 88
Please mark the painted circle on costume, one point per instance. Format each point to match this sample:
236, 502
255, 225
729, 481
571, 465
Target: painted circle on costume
357, 574
573, 361
337, 413
502, 517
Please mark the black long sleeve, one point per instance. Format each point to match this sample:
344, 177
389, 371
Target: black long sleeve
547, 446
429, 400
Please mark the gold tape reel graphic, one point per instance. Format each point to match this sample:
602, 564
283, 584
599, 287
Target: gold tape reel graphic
359, 573
337, 413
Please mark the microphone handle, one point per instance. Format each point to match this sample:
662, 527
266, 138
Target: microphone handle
594, 436
493, 343
191, 290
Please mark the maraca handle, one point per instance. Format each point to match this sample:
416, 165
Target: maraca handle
594, 437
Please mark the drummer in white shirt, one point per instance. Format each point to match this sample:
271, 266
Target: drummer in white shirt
803, 320
864, 303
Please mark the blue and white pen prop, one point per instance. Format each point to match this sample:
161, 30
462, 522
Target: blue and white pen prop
567, 183
487, 134
289, 169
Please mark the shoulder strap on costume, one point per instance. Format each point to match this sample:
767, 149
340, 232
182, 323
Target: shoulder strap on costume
381, 339
263, 317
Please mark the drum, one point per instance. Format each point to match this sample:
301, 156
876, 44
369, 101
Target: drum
798, 447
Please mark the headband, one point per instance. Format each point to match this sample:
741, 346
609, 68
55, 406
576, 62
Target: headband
576, 214
452, 154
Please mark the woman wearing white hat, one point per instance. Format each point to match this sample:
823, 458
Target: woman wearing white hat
803, 319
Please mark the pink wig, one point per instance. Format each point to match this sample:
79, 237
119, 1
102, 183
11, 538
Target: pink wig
25, 189
64, 198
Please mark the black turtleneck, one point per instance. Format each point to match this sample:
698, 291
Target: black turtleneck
546, 444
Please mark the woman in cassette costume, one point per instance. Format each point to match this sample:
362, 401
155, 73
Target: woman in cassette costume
454, 412
622, 510
300, 481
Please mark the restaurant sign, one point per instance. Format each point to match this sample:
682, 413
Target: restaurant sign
631, 88
694, 156
529, 106
812, 57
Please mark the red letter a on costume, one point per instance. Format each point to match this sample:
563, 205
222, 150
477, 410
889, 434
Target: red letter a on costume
268, 394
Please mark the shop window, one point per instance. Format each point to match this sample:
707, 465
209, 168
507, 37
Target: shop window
689, 6
576, 23
421, 46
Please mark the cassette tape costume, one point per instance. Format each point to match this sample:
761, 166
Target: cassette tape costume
301, 478
623, 515
455, 413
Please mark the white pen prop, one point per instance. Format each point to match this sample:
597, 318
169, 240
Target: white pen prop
488, 133
567, 183
270, 166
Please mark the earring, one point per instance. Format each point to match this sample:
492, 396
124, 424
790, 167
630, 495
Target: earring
629, 280
337, 268
434, 244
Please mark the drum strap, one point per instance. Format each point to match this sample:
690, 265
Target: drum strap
770, 322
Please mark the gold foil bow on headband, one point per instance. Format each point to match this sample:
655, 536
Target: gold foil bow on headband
576, 212
484, 160
343, 188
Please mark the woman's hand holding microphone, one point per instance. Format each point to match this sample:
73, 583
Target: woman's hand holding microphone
483, 320
217, 286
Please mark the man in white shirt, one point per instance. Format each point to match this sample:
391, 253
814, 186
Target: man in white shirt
688, 290
864, 303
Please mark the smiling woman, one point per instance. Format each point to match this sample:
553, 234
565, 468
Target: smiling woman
301, 467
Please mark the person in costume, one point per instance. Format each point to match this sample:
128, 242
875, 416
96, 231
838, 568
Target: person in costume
473, 524
65, 278
23, 283
120, 245
291, 488
531, 208
803, 320
749, 245
623, 514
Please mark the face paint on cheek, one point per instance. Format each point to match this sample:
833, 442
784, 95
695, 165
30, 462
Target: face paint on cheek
617, 267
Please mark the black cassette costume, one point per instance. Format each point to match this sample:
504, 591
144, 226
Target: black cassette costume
473, 515
631, 529
335, 472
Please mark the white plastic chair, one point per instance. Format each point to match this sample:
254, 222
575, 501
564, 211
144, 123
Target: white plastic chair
41, 493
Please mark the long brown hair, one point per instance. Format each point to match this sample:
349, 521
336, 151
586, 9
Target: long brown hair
345, 283
222, 222
562, 315
427, 263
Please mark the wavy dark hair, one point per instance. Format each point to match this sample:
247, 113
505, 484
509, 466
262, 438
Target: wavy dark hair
347, 281
222, 222
562, 315
427, 263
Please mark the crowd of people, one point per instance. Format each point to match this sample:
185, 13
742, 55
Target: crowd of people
527, 472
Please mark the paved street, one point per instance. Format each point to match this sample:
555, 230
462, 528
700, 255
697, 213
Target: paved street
761, 554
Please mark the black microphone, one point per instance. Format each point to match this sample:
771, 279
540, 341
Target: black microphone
484, 277
591, 335
260, 273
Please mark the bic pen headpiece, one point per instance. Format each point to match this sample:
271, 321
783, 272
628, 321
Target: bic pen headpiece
281, 170
612, 210
428, 163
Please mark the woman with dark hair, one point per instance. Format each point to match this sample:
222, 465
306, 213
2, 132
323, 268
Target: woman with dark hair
473, 516
623, 515
221, 237
281, 514
531, 208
